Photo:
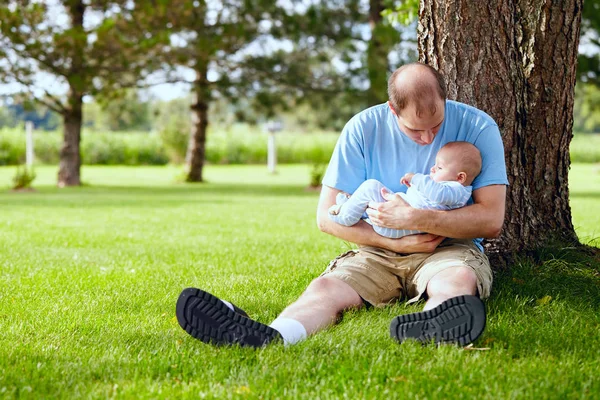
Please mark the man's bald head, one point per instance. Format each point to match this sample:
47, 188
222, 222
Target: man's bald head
417, 85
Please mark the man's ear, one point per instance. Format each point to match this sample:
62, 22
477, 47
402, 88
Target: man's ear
392, 108
462, 177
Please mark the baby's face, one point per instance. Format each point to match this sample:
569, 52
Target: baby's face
446, 167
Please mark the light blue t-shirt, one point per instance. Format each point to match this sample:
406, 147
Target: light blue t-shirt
372, 146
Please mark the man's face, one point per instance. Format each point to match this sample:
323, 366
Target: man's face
421, 130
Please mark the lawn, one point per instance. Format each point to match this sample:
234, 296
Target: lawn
90, 277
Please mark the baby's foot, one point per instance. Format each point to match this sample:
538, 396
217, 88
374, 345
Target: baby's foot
335, 209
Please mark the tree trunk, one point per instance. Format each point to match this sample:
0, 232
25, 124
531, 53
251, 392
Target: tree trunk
377, 54
516, 60
70, 157
197, 144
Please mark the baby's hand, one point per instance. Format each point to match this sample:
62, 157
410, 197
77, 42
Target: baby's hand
335, 209
407, 178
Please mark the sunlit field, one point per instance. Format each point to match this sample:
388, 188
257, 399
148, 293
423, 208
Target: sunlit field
90, 277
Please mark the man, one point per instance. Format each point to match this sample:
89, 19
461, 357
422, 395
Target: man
384, 142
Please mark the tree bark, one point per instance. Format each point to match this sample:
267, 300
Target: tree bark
377, 55
516, 60
197, 144
69, 173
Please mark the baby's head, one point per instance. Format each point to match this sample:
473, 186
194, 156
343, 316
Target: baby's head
457, 161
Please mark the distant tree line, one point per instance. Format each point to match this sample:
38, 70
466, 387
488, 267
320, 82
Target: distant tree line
13, 112
132, 113
252, 58
258, 56
135, 112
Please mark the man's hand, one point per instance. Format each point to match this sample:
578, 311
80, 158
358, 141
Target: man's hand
407, 178
394, 213
422, 243
363, 233
483, 218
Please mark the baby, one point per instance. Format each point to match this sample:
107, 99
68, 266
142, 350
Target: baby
446, 187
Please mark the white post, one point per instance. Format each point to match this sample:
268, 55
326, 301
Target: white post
29, 144
272, 127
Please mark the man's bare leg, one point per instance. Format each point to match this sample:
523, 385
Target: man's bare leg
218, 322
449, 283
451, 315
322, 303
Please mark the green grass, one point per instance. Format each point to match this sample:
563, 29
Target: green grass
90, 277
584, 190
585, 148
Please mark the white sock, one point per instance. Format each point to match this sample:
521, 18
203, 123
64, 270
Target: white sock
228, 304
291, 330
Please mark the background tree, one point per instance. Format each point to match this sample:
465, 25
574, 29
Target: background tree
586, 115
126, 111
383, 39
588, 66
251, 51
517, 61
587, 94
96, 48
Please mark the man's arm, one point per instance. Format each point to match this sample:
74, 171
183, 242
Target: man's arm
363, 234
484, 218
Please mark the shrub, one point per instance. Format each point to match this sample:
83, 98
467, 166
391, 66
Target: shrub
23, 178
12, 147
123, 149
238, 145
47, 147
175, 138
317, 172
234, 145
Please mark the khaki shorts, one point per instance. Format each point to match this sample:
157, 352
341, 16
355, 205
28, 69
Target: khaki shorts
381, 276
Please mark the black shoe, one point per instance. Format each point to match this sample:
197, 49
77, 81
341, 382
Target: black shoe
458, 320
239, 310
208, 319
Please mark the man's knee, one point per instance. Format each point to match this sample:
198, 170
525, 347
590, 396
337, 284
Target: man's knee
453, 281
333, 291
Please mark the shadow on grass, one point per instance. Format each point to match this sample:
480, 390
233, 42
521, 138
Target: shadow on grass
571, 274
550, 306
